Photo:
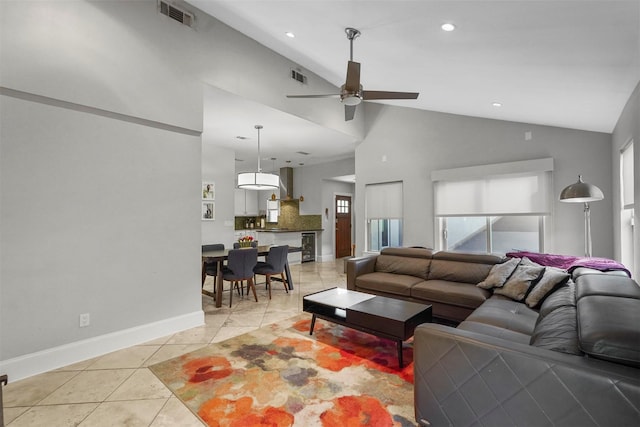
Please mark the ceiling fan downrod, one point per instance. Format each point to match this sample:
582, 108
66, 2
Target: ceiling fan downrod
352, 33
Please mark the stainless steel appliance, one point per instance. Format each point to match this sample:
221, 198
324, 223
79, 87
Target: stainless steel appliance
308, 247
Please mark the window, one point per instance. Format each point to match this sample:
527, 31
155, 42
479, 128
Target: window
342, 206
384, 215
495, 234
627, 211
493, 208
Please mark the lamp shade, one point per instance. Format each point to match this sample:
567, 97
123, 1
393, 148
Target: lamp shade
258, 181
581, 192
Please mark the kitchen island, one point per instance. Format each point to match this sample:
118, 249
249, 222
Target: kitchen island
279, 236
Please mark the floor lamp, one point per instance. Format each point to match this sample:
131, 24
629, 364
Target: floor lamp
581, 192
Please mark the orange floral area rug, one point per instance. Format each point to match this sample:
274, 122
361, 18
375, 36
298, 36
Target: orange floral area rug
279, 375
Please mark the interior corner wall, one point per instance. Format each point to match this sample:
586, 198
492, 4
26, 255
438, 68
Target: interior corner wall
404, 144
627, 128
218, 166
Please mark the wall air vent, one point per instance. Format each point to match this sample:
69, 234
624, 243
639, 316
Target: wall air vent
182, 16
298, 76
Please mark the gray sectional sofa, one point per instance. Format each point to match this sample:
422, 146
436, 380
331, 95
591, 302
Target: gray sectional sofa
446, 280
571, 360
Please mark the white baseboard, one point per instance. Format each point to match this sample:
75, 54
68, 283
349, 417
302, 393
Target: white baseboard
67, 354
325, 258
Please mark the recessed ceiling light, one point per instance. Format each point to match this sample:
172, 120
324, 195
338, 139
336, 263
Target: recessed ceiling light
497, 104
290, 34
448, 27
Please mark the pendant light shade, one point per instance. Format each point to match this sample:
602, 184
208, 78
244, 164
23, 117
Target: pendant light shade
258, 180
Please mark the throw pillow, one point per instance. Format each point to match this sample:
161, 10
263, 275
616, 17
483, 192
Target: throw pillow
550, 281
499, 274
523, 277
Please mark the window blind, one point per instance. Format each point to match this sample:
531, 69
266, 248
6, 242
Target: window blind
626, 174
384, 200
517, 188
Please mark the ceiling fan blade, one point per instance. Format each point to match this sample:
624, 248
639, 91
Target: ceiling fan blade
349, 112
331, 95
378, 94
353, 77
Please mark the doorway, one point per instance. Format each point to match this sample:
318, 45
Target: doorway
343, 226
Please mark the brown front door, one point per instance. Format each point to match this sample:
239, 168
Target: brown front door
343, 226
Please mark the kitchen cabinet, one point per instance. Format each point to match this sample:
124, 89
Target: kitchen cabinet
273, 210
245, 202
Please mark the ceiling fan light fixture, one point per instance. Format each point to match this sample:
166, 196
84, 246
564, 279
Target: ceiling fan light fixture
351, 92
351, 100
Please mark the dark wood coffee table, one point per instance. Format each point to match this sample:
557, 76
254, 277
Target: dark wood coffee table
380, 316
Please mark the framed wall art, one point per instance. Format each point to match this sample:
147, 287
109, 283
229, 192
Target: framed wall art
208, 211
208, 191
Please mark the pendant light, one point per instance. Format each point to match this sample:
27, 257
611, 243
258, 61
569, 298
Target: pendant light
258, 180
273, 169
301, 174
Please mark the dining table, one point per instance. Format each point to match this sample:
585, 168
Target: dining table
220, 256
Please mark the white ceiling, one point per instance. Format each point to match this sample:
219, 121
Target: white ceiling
562, 63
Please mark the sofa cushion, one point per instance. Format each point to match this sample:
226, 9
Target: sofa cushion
558, 331
517, 285
418, 267
564, 295
454, 293
399, 284
499, 274
580, 271
505, 313
551, 279
608, 328
495, 331
413, 252
606, 284
461, 267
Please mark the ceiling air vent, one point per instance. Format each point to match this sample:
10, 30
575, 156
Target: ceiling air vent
182, 16
298, 76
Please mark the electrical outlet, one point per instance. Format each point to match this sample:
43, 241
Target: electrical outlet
85, 320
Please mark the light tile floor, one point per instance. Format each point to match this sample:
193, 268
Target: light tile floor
118, 389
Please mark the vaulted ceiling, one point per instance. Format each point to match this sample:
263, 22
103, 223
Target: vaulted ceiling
570, 63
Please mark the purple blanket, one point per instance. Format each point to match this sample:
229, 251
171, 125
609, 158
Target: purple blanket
569, 263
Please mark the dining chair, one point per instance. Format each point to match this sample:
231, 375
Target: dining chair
240, 264
275, 264
211, 268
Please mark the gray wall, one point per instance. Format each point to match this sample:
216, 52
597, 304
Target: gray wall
627, 128
218, 166
415, 143
94, 166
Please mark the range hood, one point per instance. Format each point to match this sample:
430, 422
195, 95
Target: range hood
286, 183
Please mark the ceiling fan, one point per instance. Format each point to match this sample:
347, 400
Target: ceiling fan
351, 93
